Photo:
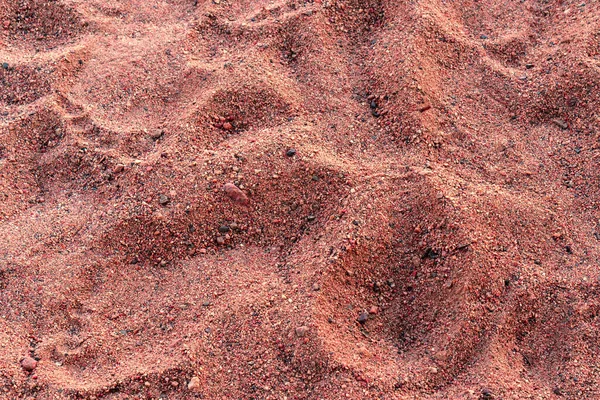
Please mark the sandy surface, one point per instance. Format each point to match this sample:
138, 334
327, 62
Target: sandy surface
413, 208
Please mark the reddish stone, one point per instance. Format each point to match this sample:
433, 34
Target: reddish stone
235, 194
28, 364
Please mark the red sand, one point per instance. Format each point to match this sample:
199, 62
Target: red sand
445, 179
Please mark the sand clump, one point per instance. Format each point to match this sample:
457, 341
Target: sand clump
299, 199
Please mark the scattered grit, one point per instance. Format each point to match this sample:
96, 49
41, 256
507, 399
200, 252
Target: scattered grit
333, 199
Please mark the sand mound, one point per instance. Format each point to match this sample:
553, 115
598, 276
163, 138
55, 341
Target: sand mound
411, 212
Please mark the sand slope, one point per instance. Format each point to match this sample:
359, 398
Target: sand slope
443, 186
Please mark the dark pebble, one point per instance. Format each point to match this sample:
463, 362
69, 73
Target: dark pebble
163, 200
223, 229
373, 105
363, 317
311, 218
568, 249
557, 391
486, 394
5, 65
528, 66
483, 36
430, 253
463, 246
290, 153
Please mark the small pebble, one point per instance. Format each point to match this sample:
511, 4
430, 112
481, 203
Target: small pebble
163, 200
316, 287
28, 364
290, 153
235, 193
156, 134
118, 168
363, 317
194, 384
560, 123
310, 218
220, 240
301, 331
557, 391
5, 65
374, 310
223, 229
227, 126
486, 394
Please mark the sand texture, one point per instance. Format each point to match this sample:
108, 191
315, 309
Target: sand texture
271, 199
